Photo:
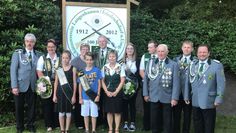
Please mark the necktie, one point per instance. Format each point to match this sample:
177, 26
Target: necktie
160, 66
201, 68
102, 54
185, 60
153, 60
30, 58
102, 60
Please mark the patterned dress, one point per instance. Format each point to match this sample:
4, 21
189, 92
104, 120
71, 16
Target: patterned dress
112, 81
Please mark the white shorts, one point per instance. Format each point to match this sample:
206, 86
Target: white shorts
89, 108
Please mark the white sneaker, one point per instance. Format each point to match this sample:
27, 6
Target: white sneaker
126, 128
132, 127
49, 129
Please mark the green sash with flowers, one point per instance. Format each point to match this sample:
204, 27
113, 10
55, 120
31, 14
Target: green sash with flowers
49, 68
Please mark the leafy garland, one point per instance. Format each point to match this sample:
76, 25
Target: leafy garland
44, 87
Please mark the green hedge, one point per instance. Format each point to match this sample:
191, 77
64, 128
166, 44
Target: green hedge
220, 35
18, 17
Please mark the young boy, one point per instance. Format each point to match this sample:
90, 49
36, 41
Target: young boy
89, 82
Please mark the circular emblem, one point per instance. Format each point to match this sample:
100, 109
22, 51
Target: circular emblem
88, 24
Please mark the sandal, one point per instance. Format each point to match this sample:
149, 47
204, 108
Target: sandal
62, 131
117, 131
67, 131
110, 131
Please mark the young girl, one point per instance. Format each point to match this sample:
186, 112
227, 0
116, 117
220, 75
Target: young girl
65, 95
112, 83
129, 101
92, 77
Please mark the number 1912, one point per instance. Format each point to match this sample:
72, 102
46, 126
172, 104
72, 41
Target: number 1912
82, 31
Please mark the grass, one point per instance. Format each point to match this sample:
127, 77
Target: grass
224, 124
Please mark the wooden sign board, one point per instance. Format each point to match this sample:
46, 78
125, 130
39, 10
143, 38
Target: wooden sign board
85, 22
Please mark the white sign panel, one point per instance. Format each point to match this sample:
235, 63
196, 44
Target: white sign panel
86, 24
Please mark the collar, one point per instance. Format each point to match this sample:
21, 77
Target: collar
153, 55
104, 50
48, 56
27, 51
208, 61
166, 60
188, 57
116, 65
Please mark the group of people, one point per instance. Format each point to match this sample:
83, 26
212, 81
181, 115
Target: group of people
185, 85
95, 85
90, 85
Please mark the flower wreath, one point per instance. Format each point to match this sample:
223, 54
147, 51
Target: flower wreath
44, 87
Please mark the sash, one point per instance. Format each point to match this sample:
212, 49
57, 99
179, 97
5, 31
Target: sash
90, 93
64, 84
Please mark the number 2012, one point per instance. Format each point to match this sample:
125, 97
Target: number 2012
111, 32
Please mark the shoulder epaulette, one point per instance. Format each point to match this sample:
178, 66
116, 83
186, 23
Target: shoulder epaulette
195, 61
216, 61
147, 55
19, 50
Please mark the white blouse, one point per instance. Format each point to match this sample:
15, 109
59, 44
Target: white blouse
112, 71
130, 65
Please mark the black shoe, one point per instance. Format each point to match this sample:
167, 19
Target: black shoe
146, 129
32, 130
19, 131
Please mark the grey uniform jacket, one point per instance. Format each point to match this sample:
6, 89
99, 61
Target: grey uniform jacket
208, 87
165, 87
23, 75
183, 71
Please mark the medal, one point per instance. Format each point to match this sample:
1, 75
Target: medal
153, 73
204, 77
204, 81
24, 59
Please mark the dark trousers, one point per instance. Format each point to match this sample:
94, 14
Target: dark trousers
129, 108
159, 111
177, 112
102, 119
204, 120
78, 119
29, 98
49, 113
146, 115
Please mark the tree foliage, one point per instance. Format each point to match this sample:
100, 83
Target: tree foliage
209, 10
17, 18
159, 8
220, 35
